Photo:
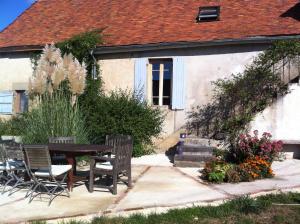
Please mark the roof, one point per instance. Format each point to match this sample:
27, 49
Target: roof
141, 22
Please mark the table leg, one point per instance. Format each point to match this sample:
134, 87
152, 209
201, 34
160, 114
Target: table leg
70, 181
74, 165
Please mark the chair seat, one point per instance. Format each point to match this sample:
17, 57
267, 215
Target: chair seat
104, 166
57, 170
12, 165
17, 163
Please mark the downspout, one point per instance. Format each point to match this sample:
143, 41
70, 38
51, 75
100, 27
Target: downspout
174, 128
94, 68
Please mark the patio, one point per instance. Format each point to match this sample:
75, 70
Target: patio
157, 186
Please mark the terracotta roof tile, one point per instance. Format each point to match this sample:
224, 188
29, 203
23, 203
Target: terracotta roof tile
147, 21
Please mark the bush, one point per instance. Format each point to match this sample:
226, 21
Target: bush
215, 170
53, 117
123, 112
255, 168
12, 127
233, 175
248, 146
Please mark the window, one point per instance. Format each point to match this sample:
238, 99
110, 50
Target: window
12, 102
21, 101
160, 81
209, 13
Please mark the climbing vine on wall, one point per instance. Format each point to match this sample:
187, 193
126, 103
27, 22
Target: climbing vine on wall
81, 46
236, 100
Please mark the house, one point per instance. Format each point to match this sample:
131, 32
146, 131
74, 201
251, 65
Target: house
169, 49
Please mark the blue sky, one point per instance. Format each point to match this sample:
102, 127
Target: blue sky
10, 9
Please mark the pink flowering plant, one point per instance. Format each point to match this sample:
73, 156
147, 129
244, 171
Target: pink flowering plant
248, 146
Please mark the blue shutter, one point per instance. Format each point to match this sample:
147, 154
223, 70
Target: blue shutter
178, 86
140, 77
6, 101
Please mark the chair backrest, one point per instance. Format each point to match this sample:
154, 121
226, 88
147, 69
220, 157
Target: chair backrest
14, 151
123, 146
116, 140
62, 140
2, 153
37, 157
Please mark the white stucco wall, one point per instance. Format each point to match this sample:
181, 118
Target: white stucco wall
282, 118
117, 73
202, 66
15, 70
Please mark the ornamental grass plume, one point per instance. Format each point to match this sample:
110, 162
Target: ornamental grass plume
52, 69
76, 77
39, 83
58, 75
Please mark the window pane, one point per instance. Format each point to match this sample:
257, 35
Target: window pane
166, 101
155, 101
167, 83
155, 66
155, 88
167, 88
168, 66
155, 84
23, 102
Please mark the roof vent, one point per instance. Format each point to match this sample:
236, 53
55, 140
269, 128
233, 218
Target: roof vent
208, 13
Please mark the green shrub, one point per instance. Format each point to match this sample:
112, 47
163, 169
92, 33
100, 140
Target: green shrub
122, 112
233, 175
53, 117
12, 127
215, 171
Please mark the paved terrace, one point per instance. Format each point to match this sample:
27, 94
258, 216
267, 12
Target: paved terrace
158, 186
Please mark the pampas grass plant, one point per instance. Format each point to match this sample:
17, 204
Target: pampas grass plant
54, 116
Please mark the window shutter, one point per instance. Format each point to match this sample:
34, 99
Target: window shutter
178, 87
6, 101
140, 77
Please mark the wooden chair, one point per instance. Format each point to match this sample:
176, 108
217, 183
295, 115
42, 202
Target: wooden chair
61, 158
116, 166
43, 173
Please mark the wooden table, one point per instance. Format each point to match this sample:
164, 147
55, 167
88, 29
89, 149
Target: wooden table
73, 150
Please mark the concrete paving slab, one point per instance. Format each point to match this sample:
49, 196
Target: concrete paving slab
165, 186
287, 167
157, 187
152, 160
16, 208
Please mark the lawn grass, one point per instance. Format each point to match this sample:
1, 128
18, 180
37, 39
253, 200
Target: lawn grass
263, 209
